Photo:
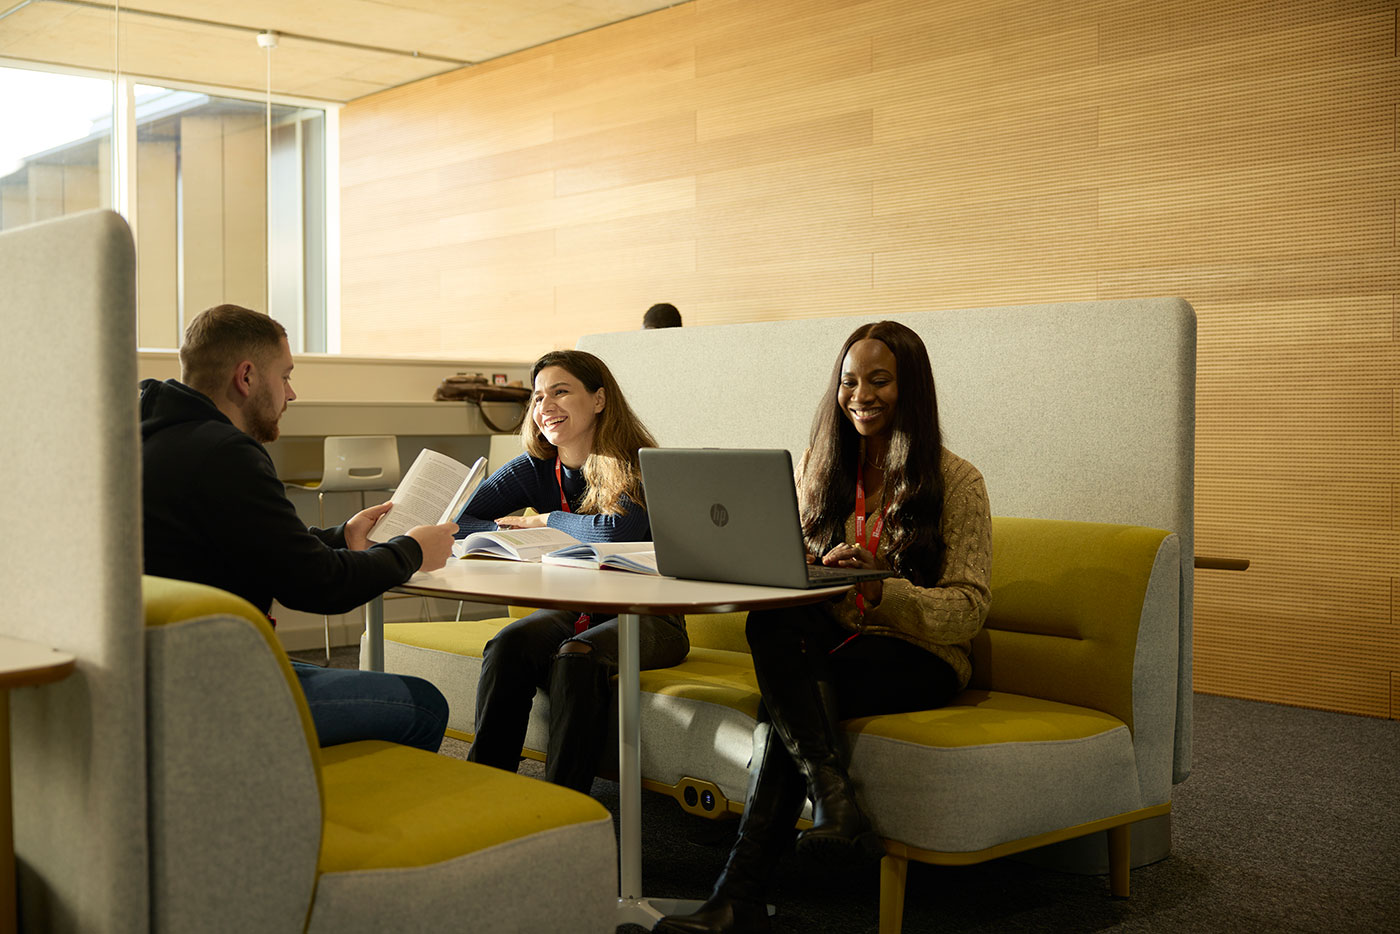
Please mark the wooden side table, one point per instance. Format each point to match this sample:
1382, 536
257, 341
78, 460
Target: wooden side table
22, 664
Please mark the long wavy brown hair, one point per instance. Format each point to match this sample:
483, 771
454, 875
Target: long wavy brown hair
913, 464
612, 470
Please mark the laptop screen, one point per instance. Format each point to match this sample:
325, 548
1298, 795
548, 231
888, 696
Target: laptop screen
728, 515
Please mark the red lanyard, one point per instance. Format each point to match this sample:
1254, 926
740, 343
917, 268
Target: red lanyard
584, 620
870, 545
860, 516
559, 477
874, 543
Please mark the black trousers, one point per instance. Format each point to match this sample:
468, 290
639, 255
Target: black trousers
870, 674
792, 650
525, 655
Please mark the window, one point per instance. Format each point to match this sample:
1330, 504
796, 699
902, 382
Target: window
226, 205
55, 152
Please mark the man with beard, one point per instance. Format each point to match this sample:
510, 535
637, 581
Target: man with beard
216, 513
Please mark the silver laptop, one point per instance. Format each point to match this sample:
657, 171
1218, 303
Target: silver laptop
731, 515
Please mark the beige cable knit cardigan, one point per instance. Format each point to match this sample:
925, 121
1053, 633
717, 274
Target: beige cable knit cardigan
943, 618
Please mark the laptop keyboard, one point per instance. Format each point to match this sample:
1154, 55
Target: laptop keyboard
820, 572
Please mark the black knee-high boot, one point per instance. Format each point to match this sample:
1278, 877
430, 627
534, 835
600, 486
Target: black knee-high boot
578, 704
772, 805
805, 714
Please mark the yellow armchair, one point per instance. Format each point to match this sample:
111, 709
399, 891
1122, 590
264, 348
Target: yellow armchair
254, 827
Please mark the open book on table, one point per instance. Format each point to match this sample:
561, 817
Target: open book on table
513, 544
637, 557
433, 491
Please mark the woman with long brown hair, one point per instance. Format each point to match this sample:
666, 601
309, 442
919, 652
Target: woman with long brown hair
877, 490
581, 474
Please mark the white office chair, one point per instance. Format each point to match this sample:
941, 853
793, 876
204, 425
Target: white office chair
353, 463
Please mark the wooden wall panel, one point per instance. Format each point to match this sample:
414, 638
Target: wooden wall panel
791, 158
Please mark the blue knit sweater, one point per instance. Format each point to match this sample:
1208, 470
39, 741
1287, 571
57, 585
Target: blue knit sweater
527, 481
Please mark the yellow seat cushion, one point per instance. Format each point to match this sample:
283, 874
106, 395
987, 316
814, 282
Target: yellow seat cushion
726, 677
718, 631
983, 718
468, 637
389, 806
715, 676
974, 718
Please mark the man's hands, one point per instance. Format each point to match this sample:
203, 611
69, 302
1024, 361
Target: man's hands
357, 529
846, 555
537, 521
436, 542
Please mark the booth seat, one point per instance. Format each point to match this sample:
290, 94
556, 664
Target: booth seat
254, 827
1067, 728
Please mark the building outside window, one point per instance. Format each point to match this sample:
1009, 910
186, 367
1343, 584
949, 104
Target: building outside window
224, 208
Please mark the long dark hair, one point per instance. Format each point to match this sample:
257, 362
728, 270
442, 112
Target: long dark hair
612, 470
913, 464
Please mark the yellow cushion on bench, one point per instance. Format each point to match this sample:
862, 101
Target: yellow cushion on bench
979, 718
718, 631
715, 676
468, 637
391, 806
1067, 599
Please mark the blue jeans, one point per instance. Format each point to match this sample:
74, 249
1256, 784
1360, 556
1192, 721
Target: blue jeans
349, 705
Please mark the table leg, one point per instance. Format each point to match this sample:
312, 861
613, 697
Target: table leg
374, 630
9, 906
629, 766
632, 907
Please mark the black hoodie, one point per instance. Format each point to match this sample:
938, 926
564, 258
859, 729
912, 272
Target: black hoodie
215, 513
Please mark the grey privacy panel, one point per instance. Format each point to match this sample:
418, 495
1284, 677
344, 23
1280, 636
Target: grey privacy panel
73, 564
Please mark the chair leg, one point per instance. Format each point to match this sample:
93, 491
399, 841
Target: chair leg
894, 870
1120, 847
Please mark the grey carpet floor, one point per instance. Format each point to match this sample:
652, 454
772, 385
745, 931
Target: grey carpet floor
1290, 822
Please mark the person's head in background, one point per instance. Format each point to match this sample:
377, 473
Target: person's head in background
579, 414
661, 315
240, 359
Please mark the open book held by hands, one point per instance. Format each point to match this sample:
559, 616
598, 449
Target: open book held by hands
433, 491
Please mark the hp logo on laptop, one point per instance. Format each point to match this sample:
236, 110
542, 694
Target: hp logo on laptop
719, 515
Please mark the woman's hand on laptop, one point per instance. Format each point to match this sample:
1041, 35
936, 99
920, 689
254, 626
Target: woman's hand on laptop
848, 555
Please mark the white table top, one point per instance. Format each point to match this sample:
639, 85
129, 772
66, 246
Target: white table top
555, 587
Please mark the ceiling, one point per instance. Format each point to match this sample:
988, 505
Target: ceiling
333, 50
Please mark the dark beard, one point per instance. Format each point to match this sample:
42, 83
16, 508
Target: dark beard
262, 428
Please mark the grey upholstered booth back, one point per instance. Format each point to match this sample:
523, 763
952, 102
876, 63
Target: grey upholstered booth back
1082, 411
72, 562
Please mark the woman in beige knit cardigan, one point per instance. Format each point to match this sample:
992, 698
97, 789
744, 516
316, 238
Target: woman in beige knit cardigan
877, 490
